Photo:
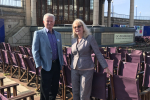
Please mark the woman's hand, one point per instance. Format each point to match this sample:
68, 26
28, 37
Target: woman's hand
108, 71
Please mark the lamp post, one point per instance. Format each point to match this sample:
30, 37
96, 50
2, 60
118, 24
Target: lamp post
136, 11
112, 8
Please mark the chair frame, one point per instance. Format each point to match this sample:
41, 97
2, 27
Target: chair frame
65, 86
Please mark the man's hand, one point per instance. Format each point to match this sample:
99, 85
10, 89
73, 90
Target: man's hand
60, 71
40, 67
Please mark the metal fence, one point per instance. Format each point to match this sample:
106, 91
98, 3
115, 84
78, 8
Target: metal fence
127, 16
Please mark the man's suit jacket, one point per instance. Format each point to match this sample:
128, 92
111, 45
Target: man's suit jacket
81, 53
41, 49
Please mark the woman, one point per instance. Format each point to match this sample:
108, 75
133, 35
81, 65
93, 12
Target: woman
82, 66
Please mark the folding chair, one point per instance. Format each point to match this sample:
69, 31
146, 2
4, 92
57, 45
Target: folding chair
36, 72
68, 55
135, 58
123, 52
147, 53
124, 88
136, 52
32, 71
61, 83
96, 62
23, 71
38, 76
4, 46
14, 63
146, 76
5, 60
128, 69
1, 46
22, 50
66, 72
1, 59
147, 59
9, 47
102, 51
99, 86
110, 67
68, 50
29, 51
110, 50
116, 57
65, 59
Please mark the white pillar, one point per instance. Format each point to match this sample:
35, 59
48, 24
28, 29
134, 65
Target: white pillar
33, 12
103, 12
109, 12
131, 21
22, 3
28, 12
96, 13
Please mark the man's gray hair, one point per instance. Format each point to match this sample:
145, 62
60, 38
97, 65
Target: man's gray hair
50, 15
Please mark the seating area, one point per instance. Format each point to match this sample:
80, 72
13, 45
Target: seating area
130, 74
130, 69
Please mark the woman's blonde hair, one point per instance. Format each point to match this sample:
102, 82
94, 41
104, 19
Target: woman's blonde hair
86, 31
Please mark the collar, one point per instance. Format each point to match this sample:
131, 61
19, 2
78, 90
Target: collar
48, 30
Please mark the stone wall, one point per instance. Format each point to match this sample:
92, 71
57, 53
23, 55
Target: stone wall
14, 17
22, 37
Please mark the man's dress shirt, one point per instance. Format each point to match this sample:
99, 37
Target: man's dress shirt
53, 43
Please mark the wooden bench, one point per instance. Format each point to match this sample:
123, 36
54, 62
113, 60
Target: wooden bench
14, 86
15, 97
24, 96
1, 81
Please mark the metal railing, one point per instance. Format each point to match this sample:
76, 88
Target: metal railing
127, 16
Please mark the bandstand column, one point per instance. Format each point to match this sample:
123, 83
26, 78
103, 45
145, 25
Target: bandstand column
33, 13
96, 13
28, 12
131, 20
101, 12
109, 12
22, 3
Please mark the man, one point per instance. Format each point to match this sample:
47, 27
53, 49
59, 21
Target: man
48, 55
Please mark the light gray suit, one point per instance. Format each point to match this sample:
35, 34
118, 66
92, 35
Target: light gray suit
81, 58
41, 49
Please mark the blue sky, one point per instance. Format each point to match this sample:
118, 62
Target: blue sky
123, 7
